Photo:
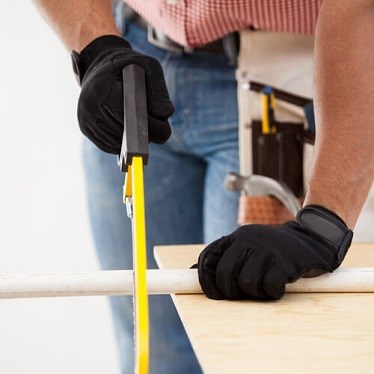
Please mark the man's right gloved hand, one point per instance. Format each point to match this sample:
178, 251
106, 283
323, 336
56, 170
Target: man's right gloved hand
100, 107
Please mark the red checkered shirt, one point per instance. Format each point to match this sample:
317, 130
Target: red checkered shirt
197, 22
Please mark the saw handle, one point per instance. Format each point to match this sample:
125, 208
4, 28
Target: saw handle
135, 134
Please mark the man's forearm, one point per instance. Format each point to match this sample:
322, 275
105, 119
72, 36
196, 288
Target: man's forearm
343, 168
78, 22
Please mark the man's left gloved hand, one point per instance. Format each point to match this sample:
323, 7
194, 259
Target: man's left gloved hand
256, 261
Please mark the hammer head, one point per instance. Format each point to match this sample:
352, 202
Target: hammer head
259, 185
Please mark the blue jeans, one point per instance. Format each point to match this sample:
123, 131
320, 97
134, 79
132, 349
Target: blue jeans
185, 199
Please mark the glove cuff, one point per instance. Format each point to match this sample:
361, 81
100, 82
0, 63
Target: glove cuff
327, 224
82, 61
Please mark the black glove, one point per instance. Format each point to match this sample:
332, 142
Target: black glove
100, 107
256, 261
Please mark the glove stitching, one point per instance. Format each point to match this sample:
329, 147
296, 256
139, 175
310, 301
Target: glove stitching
106, 95
234, 275
272, 263
211, 290
305, 268
114, 130
268, 264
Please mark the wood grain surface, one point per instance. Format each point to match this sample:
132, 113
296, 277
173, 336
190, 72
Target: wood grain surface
302, 333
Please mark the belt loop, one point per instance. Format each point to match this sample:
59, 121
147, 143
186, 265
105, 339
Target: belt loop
231, 45
160, 40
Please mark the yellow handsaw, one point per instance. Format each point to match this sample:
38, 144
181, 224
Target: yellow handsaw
133, 157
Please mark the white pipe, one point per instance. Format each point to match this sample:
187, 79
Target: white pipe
120, 282
107, 283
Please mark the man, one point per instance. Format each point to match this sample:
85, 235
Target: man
185, 199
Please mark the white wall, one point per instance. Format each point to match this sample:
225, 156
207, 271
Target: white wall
43, 220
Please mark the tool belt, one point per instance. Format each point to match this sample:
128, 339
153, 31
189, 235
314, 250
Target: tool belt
281, 63
278, 155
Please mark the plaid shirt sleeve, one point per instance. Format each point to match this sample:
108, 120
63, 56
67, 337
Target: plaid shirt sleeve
197, 22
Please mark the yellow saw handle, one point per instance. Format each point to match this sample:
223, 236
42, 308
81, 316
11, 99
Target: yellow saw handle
134, 155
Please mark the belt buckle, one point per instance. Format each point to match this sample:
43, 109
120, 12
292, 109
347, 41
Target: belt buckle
160, 40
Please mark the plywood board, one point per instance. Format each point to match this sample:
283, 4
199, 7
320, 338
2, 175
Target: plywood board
302, 333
